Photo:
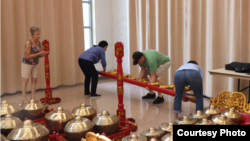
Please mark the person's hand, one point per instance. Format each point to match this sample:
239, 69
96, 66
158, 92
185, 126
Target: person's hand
47, 52
42, 53
147, 88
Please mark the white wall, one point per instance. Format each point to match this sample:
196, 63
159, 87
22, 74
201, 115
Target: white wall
111, 24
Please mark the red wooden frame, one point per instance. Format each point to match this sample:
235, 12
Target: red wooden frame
48, 93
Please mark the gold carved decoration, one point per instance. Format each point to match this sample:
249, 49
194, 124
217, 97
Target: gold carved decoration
192, 99
112, 72
227, 99
48, 95
120, 90
90, 136
47, 76
171, 87
47, 66
47, 47
120, 77
146, 80
126, 75
118, 138
119, 51
132, 123
121, 115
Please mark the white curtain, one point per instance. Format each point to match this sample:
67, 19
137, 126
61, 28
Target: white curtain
61, 23
212, 32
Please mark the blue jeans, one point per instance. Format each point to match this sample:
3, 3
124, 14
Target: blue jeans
184, 78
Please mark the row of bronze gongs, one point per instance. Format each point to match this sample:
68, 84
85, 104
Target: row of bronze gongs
209, 116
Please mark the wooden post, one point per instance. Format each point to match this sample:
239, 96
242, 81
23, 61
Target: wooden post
48, 93
119, 54
125, 122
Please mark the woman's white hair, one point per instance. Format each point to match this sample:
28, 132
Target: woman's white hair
33, 29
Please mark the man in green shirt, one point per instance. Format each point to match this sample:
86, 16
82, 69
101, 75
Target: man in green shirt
152, 63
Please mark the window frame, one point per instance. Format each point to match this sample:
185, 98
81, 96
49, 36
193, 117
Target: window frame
90, 27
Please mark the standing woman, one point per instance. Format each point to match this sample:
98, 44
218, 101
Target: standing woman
30, 61
86, 62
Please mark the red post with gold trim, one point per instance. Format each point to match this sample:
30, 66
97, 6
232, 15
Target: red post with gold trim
48, 93
121, 111
119, 55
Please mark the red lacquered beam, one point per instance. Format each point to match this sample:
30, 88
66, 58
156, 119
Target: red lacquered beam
138, 83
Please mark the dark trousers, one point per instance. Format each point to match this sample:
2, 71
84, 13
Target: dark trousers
89, 71
193, 79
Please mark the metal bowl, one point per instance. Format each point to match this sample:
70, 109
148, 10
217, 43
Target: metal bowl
13, 109
234, 116
57, 120
76, 129
153, 133
167, 127
134, 137
212, 110
185, 120
107, 123
205, 121
222, 120
168, 137
200, 115
29, 131
8, 123
33, 109
85, 111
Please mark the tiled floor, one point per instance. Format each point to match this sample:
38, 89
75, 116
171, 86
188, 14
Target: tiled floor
144, 112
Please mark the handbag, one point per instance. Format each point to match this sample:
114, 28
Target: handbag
242, 67
238, 67
230, 66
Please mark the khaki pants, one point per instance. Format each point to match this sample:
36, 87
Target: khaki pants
161, 69
26, 70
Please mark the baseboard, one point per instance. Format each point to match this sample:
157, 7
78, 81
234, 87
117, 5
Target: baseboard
18, 92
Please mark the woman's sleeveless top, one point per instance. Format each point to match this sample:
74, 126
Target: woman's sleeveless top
33, 50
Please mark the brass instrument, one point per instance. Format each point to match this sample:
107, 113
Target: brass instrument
135, 137
185, 120
85, 111
146, 80
77, 128
233, 115
106, 122
153, 133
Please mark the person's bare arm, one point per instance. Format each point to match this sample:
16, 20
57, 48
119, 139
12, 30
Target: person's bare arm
104, 69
